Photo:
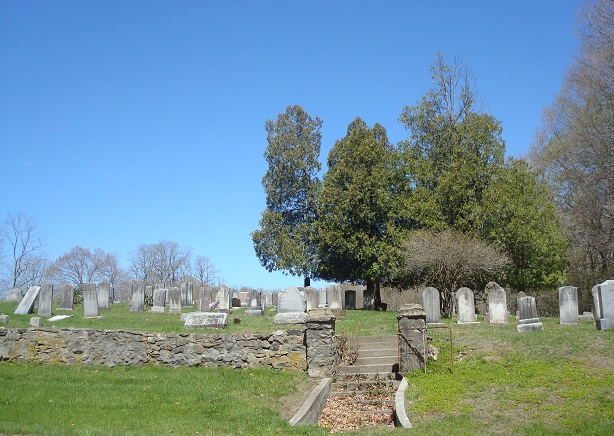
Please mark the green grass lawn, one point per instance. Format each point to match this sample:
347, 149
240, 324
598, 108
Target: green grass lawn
556, 381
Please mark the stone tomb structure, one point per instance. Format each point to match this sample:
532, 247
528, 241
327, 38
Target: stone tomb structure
27, 303
527, 315
90, 301
603, 305
159, 300
568, 305
45, 298
431, 305
465, 306
497, 304
67, 296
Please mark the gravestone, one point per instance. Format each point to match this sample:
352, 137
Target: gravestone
275, 299
431, 305
4, 319
45, 298
255, 303
204, 299
190, 297
411, 320
14, 295
224, 294
244, 298
350, 300
174, 300
27, 303
323, 300
527, 315
311, 298
333, 297
138, 297
184, 294
497, 304
104, 291
206, 320
603, 305
268, 299
67, 296
568, 305
36, 321
90, 301
290, 318
159, 300
465, 306
291, 300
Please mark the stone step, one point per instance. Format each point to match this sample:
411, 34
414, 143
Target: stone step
370, 342
361, 385
371, 368
378, 352
372, 360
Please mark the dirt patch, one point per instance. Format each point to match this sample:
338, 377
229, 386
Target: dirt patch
290, 404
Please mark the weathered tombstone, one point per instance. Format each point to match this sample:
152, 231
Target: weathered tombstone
27, 303
412, 337
4, 319
45, 298
104, 291
568, 305
190, 296
206, 320
350, 300
268, 299
291, 300
431, 305
323, 300
275, 299
465, 306
184, 294
333, 297
527, 315
138, 297
14, 295
603, 305
159, 300
235, 303
149, 292
67, 296
255, 305
204, 299
224, 295
497, 304
36, 321
90, 301
174, 300
244, 297
311, 298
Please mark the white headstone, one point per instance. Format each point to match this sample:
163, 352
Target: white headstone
497, 304
333, 297
159, 300
603, 304
291, 300
206, 320
138, 298
90, 301
431, 305
465, 306
568, 305
104, 290
174, 300
45, 298
27, 303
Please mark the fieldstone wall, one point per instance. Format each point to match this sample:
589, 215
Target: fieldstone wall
283, 349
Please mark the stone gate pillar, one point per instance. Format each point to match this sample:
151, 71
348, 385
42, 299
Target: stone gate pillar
322, 350
412, 337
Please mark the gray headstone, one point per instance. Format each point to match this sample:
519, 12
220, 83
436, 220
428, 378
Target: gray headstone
311, 296
206, 320
431, 305
568, 305
323, 300
67, 296
45, 298
104, 291
14, 295
138, 298
275, 300
27, 303
333, 297
255, 299
497, 304
90, 301
465, 306
603, 305
291, 300
174, 300
527, 315
190, 296
204, 299
185, 299
224, 296
4, 319
36, 321
159, 299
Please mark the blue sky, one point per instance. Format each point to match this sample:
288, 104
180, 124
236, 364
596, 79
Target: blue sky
130, 122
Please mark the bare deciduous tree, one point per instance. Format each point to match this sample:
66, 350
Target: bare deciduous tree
204, 271
81, 265
25, 244
165, 262
448, 260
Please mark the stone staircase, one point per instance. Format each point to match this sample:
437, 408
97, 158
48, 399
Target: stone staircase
368, 386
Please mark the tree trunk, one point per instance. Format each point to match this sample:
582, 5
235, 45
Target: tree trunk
377, 300
447, 303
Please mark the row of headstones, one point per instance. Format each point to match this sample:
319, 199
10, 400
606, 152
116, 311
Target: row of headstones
603, 304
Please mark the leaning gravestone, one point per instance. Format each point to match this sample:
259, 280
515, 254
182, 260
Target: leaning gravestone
138, 298
90, 301
291, 300
603, 304
568, 305
104, 289
67, 296
206, 320
27, 303
45, 298
174, 300
527, 315
431, 305
497, 304
14, 295
159, 298
465, 306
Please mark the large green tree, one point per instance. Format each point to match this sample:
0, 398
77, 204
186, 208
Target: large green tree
357, 230
575, 148
285, 239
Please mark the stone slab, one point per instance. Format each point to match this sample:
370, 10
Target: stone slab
290, 318
206, 320
27, 303
59, 317
36, 321
4, 319
530, 327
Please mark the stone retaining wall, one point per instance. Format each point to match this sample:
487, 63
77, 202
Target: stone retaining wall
283, 349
